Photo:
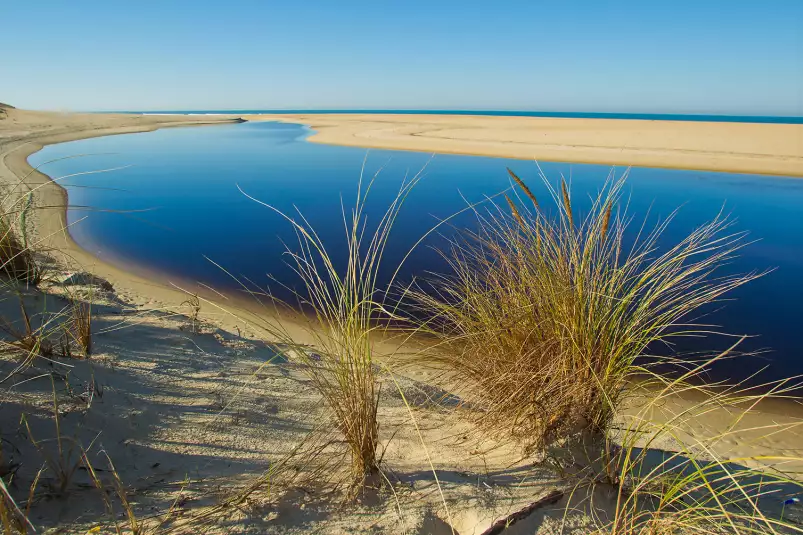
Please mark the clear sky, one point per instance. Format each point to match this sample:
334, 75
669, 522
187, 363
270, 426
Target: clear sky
671, 56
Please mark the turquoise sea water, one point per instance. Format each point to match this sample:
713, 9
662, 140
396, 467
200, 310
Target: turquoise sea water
569, 114
178, 202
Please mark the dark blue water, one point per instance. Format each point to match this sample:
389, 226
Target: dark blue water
507, 113
187, 178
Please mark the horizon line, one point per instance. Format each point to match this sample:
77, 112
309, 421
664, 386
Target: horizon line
725, 117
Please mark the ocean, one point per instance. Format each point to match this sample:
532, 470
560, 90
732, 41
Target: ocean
502, 113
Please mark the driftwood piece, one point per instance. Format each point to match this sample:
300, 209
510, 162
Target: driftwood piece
503, 523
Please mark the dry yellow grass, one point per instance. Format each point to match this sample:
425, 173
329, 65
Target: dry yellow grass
546, 319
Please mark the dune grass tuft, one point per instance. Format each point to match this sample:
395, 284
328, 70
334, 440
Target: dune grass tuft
17, 261
193, 302
343, 311
80, 325
547, 317
29, 341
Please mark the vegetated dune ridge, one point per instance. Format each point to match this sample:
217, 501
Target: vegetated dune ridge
772, 149
188, 409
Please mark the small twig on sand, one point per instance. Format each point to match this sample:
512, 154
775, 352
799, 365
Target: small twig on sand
502, 524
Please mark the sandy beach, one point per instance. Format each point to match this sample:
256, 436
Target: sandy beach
771, 149
186, 415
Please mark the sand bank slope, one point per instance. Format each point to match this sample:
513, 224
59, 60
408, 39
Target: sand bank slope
773, 149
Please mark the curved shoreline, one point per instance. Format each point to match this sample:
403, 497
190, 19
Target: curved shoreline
499, 136
495, 136
52, 203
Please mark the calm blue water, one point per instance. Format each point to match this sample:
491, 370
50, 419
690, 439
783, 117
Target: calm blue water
187, 180
569, 114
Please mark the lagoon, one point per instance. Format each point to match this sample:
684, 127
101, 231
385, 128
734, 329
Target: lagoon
176, 203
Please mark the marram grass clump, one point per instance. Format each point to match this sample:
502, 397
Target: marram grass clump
547, 314
342, 310
17, 260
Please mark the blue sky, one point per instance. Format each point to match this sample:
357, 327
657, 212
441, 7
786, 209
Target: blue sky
703, 56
